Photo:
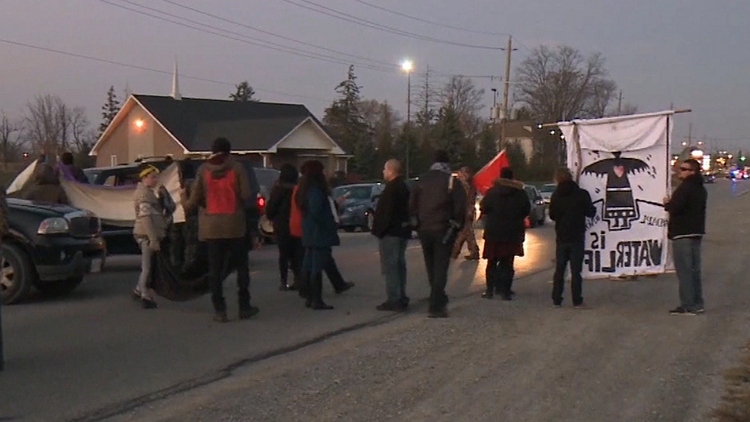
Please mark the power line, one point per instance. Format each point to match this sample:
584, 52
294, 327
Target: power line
418, 19
258, 42
374, 25
276, 35
149, 69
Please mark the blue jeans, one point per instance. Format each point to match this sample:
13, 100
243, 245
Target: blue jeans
686, 253
565, 253
393, 267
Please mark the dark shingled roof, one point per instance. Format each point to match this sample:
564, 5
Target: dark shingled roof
250, 126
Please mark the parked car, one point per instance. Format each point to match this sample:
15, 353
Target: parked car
547, 190
49, 247
120, 239
538, 214
359, 203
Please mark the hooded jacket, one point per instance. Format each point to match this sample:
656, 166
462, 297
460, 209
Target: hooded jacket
436, 199
46, 187
221, 190
150, 222
568, 208
279, 208
687, 209
504, 209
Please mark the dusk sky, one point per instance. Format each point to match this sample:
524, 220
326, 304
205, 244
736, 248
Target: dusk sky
691, 53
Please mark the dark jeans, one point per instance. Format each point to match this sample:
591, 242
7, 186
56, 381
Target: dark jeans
222, 252
573, 253
686, 253
499, 274
393, 267
290, 256
437, 256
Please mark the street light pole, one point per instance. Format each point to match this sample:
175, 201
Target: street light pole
407, 66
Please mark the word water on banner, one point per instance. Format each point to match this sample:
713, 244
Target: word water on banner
623, 163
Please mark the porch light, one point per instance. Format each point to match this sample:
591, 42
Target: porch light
139, 123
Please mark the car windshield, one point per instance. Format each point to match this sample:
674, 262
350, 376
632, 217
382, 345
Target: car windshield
549, 188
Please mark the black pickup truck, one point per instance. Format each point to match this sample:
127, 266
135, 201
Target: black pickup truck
49, 247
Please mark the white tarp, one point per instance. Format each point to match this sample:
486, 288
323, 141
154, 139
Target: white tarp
623, 162
114, 205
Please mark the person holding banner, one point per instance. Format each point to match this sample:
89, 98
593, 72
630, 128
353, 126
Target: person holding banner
568, 208
466, 235
687, 225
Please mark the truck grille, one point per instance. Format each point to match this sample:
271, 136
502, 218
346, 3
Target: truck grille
88, 226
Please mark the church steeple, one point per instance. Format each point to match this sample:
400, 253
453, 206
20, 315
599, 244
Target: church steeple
175, 83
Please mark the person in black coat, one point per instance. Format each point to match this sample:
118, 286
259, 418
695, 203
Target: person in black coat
391, 227
278, 210
504, 209
568, 208
687, 225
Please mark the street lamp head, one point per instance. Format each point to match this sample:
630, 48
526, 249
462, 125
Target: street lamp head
407, 66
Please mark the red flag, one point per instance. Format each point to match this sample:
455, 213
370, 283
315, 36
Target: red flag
491, 171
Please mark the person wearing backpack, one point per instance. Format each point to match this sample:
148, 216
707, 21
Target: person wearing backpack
220, 190
437, 207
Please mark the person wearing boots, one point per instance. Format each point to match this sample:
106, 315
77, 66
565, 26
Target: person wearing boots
504, 209
149, 230
278, 210
221, 189
437, 206
319, 229
466, 235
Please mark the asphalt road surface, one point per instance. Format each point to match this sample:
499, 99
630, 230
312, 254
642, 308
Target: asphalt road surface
96, 356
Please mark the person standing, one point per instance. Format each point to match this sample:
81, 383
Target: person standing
687, 225
504, 209
391, 227
319, 229
149, 230
438, 207
466, 235
569, 207
278, 210
221, 189
70, 170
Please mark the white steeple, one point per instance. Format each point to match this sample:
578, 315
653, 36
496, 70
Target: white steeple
175, 83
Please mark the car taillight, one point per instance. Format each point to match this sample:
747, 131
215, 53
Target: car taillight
261, 203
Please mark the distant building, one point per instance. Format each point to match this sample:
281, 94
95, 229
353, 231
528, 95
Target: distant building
521, 133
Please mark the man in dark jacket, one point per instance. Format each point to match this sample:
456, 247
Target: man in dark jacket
438, 206
504, 210
391, 226
687, 225
278, 210
568, 208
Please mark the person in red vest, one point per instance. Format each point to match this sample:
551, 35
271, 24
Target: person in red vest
221, 189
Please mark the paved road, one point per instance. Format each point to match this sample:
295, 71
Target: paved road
624, 360
96, 352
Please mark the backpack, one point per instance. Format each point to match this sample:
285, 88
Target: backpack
221, 193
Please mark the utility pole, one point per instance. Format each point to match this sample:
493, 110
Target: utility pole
619, 104
690, 133
506, 89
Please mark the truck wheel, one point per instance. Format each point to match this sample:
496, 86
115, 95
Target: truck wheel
59, 288
16, 274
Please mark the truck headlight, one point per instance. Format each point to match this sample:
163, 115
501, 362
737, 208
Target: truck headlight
56, 225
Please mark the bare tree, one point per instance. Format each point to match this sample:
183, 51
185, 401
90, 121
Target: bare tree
82, 136
461, 95
8, 141
560, 84
43, 126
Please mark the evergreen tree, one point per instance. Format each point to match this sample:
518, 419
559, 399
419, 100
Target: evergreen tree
448, 134
244, 92
487, 146
109, 110
344, 121
518, 161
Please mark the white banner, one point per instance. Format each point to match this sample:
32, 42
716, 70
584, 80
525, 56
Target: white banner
623, 162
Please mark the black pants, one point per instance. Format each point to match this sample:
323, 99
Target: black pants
334, 275
290, 256
222, 252
499, 275
437, 257
573, 253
